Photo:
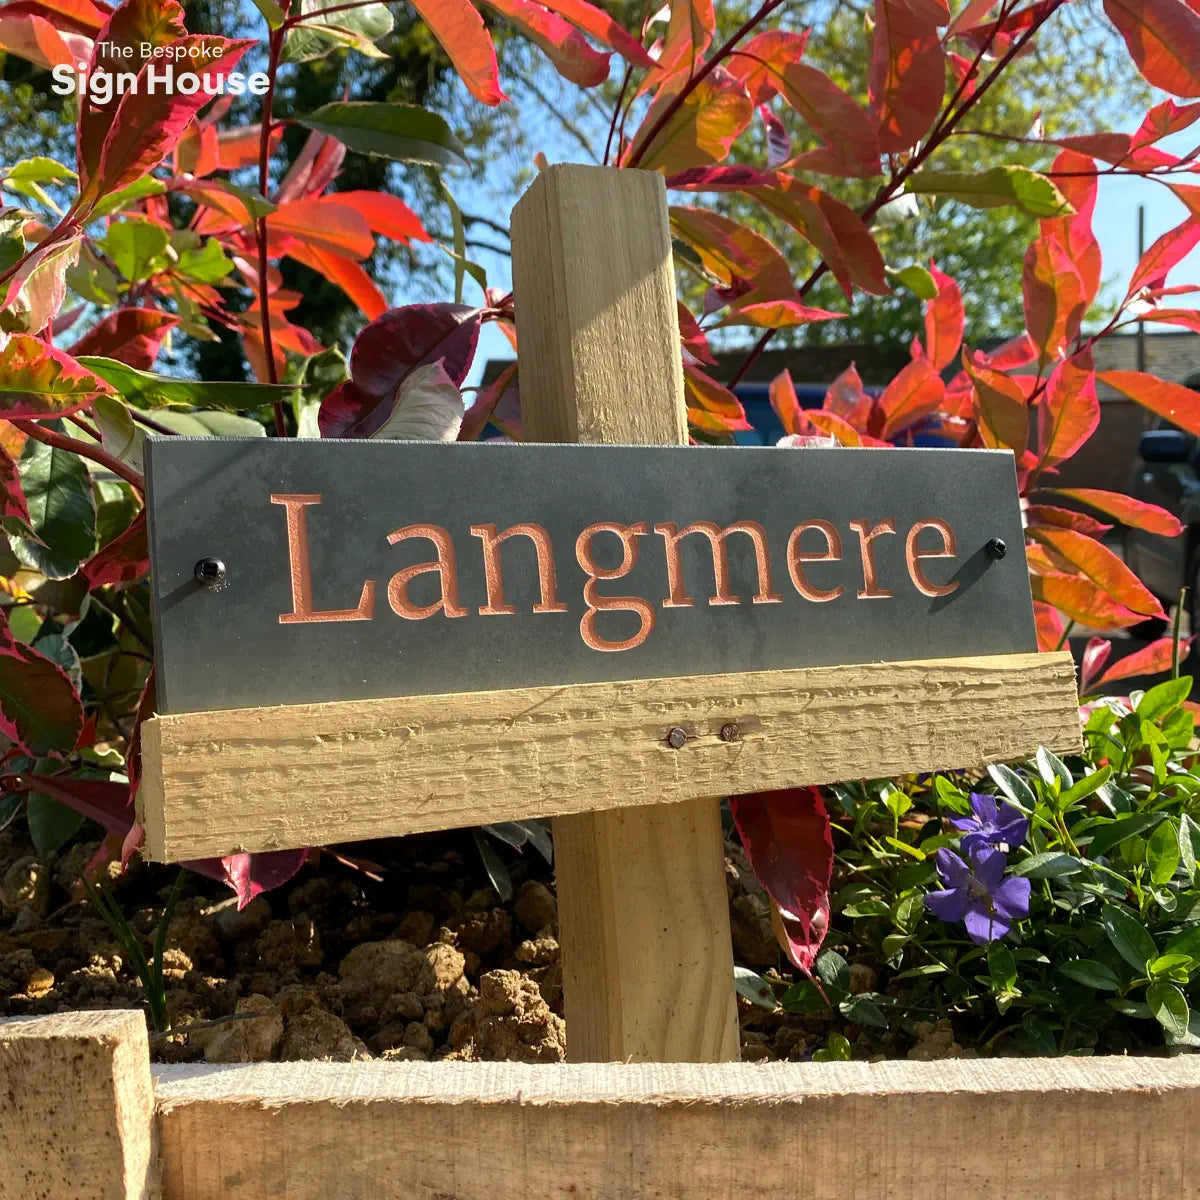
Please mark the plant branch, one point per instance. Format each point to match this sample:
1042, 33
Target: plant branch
711, 65
96, 454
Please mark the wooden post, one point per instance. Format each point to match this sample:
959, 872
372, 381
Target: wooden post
647, 957
77, 1108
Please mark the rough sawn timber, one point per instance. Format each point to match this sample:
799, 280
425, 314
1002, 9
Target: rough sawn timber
298, 775
1000, 1129
643, 913
77, 1108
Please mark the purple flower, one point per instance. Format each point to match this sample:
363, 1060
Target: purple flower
991, 825
979, 895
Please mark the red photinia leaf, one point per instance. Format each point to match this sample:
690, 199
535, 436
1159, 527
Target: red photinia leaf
1050, 626
779, 141
74, 16
1065, 518
125, 559
702, 130
777, 314
346, 273
908, 75
1180, 405
101, 800
386, 215
149, 122
602, 27
34, 294
711, 406
1189, 318
689, 34
1003, 409
14, 510
1017, 352
460, 30
250, 875
324, 223
1074, 176
573, 57
915, 393
840, 122
1153, 659
730, 251
40, 710
1055, 302
1101, 566
760, 63
32, 37
1070, 411
937, 11
1163, 37
693, 337
846, 399
1082, 601
1095, 654
316, 166
787, 405
384, 354
130, 335
840, 428
487, 401
39, 380
1174, 245
1001, 32
1135, 513
943, 320
789, 845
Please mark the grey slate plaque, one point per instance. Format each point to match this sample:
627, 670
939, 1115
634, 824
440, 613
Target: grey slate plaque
301, 530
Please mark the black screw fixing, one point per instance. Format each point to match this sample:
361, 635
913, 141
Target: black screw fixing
676, 737
996, 548
209, 572
730, 732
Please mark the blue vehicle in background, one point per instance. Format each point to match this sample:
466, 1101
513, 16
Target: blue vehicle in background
756, 401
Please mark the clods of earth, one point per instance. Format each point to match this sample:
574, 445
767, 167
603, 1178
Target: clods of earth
410, 955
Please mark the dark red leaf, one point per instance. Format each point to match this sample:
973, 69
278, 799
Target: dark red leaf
130, 335
1174, 245
787, 840
1050, 627
693, 337
250, 875
125, 559
14, 510
760, 63
943, 320
1095, 654
101, 800
40, 710
386, 351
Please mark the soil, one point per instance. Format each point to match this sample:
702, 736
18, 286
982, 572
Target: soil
408, 955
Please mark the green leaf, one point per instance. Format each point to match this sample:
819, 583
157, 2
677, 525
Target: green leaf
1084, 788
754, 988
1129, 938
322, 33
833, 971
61, 509
58, 650
138, 190
1014, 787
26, 178
868, 908
207, 264
200, 423
12, 237
1189, 834
803, 997
995, 188
459, 253
1163, 698
1051, 767
51, 824
1162, 852
837, 1049
137, 246
272, 13
918, 280
1049, 865
1123, 827
1170, 966
863, 1010
403, 132
1091, 974
1169, 1006
1002, 968
146, 390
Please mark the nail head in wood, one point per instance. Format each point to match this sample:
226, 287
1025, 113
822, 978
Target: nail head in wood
676, 737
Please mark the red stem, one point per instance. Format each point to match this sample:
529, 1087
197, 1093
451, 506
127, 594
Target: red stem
260, 225
711, 65
60, 441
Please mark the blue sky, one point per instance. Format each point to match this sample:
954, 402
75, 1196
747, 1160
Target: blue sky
1115, 225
